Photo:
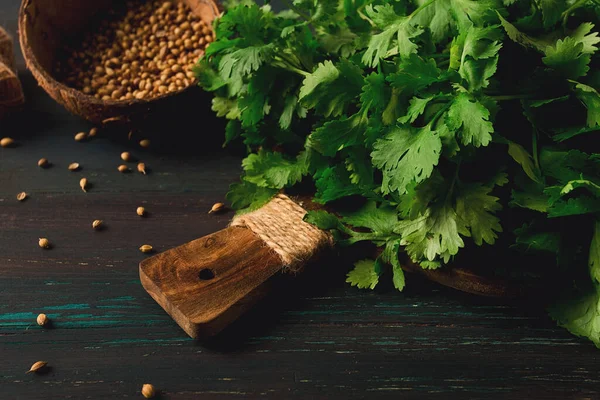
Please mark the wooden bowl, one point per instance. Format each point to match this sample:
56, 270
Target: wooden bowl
44, 25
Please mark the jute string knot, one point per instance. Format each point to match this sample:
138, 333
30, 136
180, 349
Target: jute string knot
280, 225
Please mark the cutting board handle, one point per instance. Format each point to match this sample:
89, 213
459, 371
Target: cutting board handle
209, 282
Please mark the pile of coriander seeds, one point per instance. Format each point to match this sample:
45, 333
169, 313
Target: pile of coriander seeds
144, 50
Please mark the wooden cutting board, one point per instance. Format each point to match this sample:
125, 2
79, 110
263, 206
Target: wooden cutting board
207, 283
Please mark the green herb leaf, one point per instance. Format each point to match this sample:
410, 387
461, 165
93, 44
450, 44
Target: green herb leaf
406, 154
471, 119
364, 275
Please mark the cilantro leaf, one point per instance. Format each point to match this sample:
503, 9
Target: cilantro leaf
270, 169
336, 135
290, 106
400, 27
406, 154
588, 40
246, 196
568, 58
563, 166
225, 107
443, 17
416, 108
232, 131
381, 221
323, 220
525, 160
471, 119
530, 239
333, 183
474, 54
365, 274
551, 11
374, 92
329, 89
534, 200
591, 99
390, 256
580, 314
436, 233
476, 208
414, 73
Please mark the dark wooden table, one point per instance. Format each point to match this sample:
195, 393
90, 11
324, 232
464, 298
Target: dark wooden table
317, 338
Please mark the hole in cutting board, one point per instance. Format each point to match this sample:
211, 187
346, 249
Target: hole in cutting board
206, 274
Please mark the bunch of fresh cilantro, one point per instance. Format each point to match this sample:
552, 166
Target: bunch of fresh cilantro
456, 123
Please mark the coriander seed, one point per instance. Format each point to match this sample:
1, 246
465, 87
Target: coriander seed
125, 156
42, 320
123, 168
73, 166
141, 42
44, 243
81, 136
97, 224
83, 184
43, 163
217, 207
146, 248
7, 142
141, 211
148, 390
93, 132
38, 366
145, 143
21, 196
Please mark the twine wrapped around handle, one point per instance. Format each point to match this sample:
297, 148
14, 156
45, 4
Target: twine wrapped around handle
280, 225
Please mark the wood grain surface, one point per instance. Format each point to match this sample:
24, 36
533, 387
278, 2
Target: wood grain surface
314, 337
208, 283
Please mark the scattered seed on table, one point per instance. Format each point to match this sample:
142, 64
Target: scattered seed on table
141, 167
73, 166
83, 183
217, 207
21, 196
123, 168
38, 366
42, 319
146, 248
125, 156
7, 142
141, 211
93, 132
81, 136
148, 390
43, 163
97, 224
145, 143
44, 243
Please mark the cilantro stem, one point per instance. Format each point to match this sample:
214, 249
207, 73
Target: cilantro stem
443, 63
421, 8
454, 179
297, 11
568, 11
511, 97
286, 64
438, 115
534, 149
